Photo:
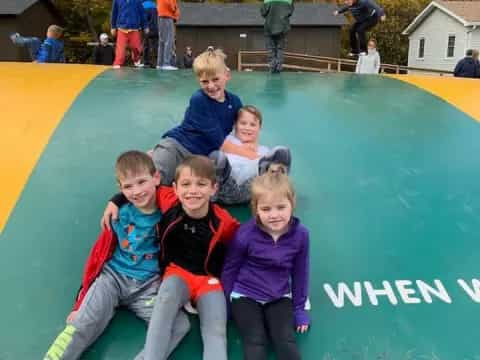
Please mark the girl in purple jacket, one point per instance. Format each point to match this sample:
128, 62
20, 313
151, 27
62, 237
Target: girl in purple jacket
265, 275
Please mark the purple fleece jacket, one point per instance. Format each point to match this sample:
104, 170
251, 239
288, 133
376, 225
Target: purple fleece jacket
264, 270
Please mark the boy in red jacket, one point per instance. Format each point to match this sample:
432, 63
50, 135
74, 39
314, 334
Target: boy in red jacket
123, 267
194, 233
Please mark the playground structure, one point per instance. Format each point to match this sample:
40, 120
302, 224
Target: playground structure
386, 172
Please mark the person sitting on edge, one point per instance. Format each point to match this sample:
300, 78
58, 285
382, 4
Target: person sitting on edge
122, 268
207, 121
265, 276
366, 14
103, 53
48, 51
241, 158
194, 235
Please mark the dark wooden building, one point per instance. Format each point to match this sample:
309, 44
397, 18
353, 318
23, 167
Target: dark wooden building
234, 27
27, 17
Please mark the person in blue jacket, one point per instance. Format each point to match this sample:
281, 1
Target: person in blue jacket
48, 51
469, 66
366, 13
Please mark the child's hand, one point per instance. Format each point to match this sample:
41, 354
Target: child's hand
383, 18
302, 329
113, 32
335, 13
110, 214
72, 316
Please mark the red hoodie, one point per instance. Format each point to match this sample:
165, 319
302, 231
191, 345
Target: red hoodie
107, 241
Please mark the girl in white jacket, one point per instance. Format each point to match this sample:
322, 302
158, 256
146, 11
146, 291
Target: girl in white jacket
369, 63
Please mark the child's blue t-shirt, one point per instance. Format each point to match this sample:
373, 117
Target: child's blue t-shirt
136, 254
206, 123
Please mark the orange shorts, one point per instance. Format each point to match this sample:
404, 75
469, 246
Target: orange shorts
197, 285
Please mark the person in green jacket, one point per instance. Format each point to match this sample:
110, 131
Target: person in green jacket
277, 24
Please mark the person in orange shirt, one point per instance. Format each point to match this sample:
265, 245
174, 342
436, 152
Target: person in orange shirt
168, 15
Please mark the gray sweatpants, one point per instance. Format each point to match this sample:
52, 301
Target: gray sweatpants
167, 155
166, 38
109, 291
172, 295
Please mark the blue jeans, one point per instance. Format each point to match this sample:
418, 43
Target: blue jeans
31, 43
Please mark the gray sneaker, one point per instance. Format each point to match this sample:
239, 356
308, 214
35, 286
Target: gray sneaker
223, 169
14, 37
279, 155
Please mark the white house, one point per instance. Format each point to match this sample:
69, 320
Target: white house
442, 32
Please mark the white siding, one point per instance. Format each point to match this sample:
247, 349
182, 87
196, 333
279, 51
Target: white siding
435, 29
475, 39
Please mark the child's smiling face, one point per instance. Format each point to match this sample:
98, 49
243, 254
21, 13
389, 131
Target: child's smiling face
247, 127
274, 212
214, 86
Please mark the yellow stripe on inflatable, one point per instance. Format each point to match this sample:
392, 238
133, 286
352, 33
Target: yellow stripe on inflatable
33, 101
460, 92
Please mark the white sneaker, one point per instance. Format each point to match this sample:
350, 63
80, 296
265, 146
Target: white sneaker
116, 66
168, 67
138, 64
190, 309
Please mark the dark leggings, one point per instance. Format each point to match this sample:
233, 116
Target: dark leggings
360, 29
257, 323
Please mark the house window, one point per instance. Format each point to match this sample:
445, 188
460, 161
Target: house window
421, 48
451, 46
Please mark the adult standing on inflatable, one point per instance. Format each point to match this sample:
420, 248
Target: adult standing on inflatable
277, 24
366, 14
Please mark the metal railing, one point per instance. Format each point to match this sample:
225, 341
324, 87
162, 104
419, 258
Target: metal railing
322, 64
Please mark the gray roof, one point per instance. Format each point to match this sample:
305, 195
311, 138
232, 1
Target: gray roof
15, 7
206, 14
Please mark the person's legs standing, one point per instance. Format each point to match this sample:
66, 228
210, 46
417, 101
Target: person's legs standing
165, 40
172, 295
212, 310
122, 40
280, 48
135, 43
249, 318
280, 323
362, 29
94, 314
270, 46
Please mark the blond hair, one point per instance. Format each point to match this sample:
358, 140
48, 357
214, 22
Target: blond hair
55, 29
275, 183
200, 166
252, 110
210, 62
133, 162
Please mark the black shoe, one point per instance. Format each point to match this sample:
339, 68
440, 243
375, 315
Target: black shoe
279, 155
